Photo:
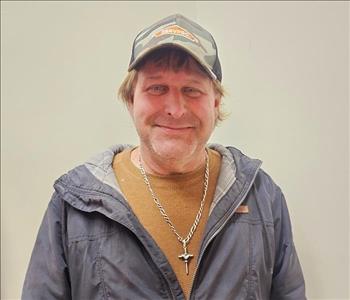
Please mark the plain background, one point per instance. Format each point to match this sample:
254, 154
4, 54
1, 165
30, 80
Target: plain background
285, 67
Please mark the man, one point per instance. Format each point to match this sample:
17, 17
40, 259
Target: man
172, 218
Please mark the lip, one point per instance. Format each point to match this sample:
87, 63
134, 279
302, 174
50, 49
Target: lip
174, 129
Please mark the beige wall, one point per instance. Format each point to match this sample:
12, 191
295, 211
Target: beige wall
285, 66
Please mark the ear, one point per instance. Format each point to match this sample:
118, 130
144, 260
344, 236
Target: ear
217, 102
217, 96
130, 106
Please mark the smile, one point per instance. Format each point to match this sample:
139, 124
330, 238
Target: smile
174, 129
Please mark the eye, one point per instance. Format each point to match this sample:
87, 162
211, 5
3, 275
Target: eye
157, 89
192, 92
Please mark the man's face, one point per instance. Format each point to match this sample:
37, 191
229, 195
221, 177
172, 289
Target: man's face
174, 112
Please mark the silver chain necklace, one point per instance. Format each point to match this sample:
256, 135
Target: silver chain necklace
185, 241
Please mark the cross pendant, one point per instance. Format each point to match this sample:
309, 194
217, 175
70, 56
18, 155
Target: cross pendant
185, 256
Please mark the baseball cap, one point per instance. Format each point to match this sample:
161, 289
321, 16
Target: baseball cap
178, 31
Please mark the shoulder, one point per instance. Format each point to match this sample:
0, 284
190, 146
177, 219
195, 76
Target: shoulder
246, 165
97, 169
265, 192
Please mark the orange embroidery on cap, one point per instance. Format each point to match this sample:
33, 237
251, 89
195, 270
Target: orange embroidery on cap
177, 30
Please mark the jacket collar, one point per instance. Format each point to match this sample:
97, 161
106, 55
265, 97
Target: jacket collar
96, 179
101, 167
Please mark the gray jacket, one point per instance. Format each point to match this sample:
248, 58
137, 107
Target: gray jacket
91, 245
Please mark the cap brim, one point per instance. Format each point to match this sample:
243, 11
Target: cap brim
173, 45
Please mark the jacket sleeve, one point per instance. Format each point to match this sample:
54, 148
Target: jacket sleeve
47, 275
288, 281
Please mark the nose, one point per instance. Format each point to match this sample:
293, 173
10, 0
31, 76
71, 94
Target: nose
175, 104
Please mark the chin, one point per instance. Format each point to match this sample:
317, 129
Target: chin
174, 150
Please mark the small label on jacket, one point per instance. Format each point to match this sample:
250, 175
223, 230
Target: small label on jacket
242, 209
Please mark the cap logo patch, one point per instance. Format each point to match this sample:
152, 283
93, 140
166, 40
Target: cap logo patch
177, 30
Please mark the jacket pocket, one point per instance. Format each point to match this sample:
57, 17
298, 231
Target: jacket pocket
86, 268
260, 266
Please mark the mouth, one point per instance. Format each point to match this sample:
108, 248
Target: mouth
174, 129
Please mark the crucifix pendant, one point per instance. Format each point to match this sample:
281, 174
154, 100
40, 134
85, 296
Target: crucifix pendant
185, 256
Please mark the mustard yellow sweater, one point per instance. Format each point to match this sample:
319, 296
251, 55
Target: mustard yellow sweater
180, 195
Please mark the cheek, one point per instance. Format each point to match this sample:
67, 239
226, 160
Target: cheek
145, 110
207, 116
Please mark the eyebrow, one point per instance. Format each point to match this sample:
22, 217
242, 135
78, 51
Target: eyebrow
154, 77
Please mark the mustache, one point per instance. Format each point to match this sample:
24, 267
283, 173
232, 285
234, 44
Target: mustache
185, 121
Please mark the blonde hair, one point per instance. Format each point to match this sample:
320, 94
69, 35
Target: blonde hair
168, 58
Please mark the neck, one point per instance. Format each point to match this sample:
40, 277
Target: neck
162, 167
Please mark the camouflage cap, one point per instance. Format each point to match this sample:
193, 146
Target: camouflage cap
178, 31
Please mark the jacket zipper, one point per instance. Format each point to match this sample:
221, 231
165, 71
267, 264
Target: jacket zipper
219, 229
